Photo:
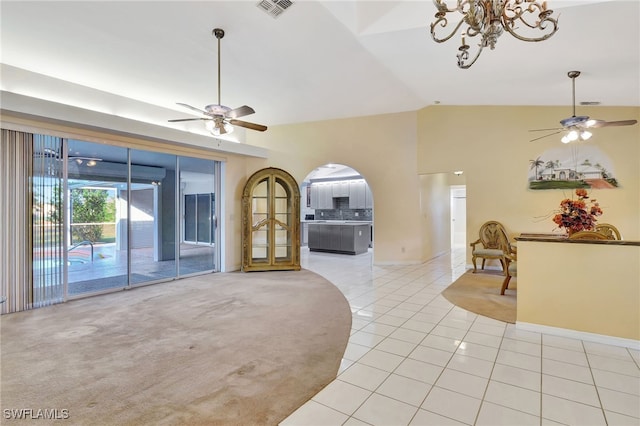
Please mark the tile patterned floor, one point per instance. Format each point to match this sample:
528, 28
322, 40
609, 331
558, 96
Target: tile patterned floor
413, 358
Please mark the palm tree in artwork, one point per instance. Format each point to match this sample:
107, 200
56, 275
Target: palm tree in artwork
535, 164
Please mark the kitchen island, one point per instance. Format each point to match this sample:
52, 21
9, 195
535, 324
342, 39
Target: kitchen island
347, 237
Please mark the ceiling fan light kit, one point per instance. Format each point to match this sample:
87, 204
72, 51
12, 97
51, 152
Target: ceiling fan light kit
220, 119
576, 126
489, 19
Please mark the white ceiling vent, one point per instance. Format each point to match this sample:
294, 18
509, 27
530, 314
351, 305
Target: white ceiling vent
274, 8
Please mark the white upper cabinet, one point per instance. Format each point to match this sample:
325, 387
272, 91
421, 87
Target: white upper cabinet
357, 194
340, 188
322, 195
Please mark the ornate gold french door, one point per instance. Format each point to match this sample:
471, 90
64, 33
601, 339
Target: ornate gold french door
271, 222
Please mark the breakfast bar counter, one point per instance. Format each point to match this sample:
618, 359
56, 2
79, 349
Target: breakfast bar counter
588, 287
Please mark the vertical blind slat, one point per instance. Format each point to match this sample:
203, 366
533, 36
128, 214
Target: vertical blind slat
48, 221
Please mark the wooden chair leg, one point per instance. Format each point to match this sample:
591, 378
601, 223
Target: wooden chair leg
473, 260
505, 284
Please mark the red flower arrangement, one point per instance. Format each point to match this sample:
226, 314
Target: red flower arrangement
578, 215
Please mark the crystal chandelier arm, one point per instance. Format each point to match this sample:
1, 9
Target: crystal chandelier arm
515, 13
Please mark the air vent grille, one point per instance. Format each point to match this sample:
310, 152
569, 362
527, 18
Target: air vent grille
274, 8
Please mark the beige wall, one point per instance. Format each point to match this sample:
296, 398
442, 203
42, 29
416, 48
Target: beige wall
491, 145
435, 214
382, 149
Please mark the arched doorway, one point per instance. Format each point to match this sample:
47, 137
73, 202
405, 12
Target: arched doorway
336, 211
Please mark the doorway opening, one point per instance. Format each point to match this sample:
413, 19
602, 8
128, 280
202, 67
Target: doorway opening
458, 216
336, 211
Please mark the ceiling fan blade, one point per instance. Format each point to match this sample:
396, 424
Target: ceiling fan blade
192, 108
240, 112
246, 124
602, 123
188, 119
550, 134
546, 130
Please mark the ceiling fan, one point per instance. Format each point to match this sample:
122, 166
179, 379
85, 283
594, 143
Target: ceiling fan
576, 126
220, 119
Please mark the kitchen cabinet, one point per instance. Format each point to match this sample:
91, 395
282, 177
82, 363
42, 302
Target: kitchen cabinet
304, 235
357, 194
368, 198
322, 195
343, 237
271, 222
314, 195
340, 188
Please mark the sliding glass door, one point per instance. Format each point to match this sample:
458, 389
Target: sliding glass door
108, 218
97, 217
153, 216
199, 221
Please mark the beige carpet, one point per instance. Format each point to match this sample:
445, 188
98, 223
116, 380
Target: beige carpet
220, 349
480, 294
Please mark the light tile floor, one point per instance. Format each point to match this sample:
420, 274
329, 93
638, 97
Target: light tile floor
413, 358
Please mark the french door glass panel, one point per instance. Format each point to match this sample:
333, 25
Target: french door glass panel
282, 215
260, 222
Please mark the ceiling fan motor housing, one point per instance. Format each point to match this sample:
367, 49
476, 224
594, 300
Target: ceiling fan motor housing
215, 109
573, 121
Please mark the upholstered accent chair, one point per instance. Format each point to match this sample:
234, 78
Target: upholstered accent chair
492, 243
610, 231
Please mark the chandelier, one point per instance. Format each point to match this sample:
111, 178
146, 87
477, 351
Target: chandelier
489, 18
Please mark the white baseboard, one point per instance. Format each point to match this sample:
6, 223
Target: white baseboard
581, 335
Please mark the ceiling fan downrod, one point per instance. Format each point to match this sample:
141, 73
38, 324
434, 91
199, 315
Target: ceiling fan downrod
218, 33
573, 75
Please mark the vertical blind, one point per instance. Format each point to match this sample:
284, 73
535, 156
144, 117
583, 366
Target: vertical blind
15, 217
49, 254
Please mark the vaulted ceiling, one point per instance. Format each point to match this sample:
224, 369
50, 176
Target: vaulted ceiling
318, 60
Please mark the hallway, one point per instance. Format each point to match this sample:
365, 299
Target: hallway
415, 359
